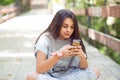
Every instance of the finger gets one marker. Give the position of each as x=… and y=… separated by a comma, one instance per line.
x=70, y=53
x=69, y=47
x=76, y=53
x=79, y=47
x=66, y=52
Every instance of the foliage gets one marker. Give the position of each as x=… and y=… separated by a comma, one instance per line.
x=76, y=4
x=113, y=30
x=82, y=20
x=6, y=2
x=100, y=24
x=116, y=29
x=99, y=2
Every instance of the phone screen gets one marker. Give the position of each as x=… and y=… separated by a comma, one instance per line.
x=76, y=42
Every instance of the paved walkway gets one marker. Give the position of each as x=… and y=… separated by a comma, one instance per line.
x=17, y=37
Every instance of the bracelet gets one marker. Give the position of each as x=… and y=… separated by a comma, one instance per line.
x=58, y=54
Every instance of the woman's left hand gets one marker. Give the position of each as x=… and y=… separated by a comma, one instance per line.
x=77, y=51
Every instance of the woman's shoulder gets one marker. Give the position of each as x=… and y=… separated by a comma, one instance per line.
x=46, y=36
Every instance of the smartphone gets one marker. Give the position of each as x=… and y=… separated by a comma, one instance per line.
x=76, y=42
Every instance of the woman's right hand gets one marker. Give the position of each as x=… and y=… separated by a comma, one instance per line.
x=66, y=51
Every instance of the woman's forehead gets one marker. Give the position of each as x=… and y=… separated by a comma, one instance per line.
x=68, y=21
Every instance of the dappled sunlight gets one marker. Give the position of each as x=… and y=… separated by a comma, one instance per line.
x=18, y=35
x=27, y=45
x=56, y=7
x=16, y=42
x=23, y=54
x=33, y=22
x=110, y=21
x=91, y=34
x=94, y=35
x=13, y=46
x=25, y=35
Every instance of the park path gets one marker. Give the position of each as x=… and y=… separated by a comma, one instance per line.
x=17, y=38
x=17, y=35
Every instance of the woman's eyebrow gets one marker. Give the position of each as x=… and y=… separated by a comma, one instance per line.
x=67, y=24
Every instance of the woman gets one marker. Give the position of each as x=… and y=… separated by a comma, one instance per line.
x=56, y=57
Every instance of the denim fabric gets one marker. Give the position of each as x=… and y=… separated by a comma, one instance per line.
x=72, y=74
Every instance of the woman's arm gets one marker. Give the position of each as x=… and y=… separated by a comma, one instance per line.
x=83, y=60
x=77, y=51
x=43, y=64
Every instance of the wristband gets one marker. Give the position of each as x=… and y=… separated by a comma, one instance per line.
x=58, y=54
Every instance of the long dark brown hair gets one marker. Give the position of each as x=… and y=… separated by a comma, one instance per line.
x=56, y=24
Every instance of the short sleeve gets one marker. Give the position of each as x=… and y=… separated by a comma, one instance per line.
x=42, y=45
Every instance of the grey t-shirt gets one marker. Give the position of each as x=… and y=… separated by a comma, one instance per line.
x=47, y=44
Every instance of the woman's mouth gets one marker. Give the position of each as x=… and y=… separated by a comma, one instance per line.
x=67, y=34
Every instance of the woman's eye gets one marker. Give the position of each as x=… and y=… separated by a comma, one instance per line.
x=65, y=26
x=72, y=27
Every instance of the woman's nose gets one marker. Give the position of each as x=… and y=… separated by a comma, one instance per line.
x=68, y=29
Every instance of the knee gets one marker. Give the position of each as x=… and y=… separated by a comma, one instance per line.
x=31, y=76
x=96, y=71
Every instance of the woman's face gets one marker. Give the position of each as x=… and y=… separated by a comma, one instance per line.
x=67, y=29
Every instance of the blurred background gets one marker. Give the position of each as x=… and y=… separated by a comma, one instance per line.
x=21, y=21
x=110, y=25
